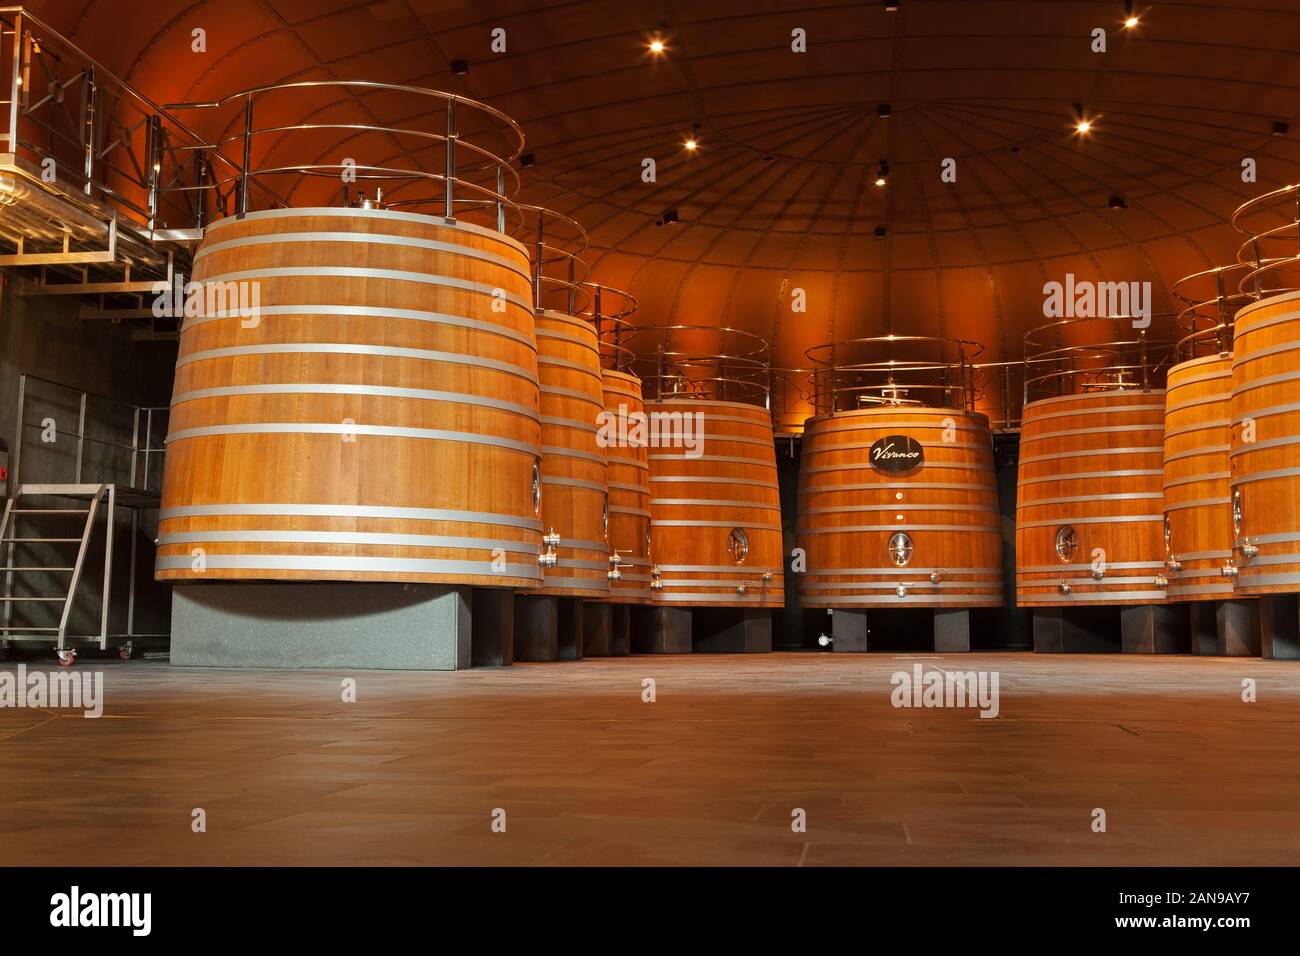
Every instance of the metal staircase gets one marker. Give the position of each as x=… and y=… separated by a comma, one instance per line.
x=30, y=525
x=58, y=539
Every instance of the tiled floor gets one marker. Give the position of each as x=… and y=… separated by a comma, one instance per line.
x=707, y=774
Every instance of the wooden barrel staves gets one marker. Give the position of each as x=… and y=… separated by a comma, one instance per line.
x=376, y=420
x=1198, y=504
x=714, y=506
x=574, y=489
x=897, y=507
x=1265, y=480
x=1089, y=503
x=629, y=489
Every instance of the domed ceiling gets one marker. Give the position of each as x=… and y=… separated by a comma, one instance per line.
x=781, y=193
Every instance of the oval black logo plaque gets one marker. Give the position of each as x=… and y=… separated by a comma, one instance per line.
x=896, y=453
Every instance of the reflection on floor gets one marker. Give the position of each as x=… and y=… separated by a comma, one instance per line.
x=709, y=773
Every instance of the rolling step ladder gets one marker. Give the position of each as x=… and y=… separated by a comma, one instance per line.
x=46, y=533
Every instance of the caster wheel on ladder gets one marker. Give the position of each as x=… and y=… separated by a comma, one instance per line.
x=67, y=658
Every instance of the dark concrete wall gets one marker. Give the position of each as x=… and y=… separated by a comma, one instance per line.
x=43, y=336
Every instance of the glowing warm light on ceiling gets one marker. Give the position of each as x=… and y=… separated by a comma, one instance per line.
x=1130, y=23
x=1083, y=125
x=881, y=181
x=691, y=145
x=657, y=46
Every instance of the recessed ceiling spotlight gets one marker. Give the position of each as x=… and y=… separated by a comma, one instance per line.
x=1280, y=128
x=1118, y=202
x=691, y=145
x=657, y=46
x=459, y=68
x=667, y=217
x=891, y=6
x=881, y=232
x=1082, y=123
x=882, y=174
x=1130, y=18
x=882, y=110
x=527, y=160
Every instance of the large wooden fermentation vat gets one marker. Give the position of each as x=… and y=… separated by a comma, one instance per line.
x=629, y=492
x=1265, y=480
x=1197, y=499
x=378, y=420
x=898, y=506
x=574, y=491
x=1088, y=510
x=715, y=511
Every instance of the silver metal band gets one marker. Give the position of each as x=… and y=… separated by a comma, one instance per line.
x=1265, y=476
x=1154, y=427
x=298, y=562
x=421, y=394
x=574, y=483
x=387, y=275
x=1110, y=565
x=588, y=344
x=1103, y=519
x=898, y=506
x=749, y=526
x=905, y=571
x=724, y=458
x=912, y=597
x=363, y=238
x=1049, y=599
x=555, y=451
x=376, y=312
x=1216, y=450
x=1128, y=496
x=1082, y=475
x=588, y=427
x=1096, y=453
x=1092, y=397
x=388, y=215
x=350, y=348
x=330, y=428
x=349, y=537
x=574, y=393
x=351, y=511
x=900, y=526
x=1198, y=503
x=714, y=502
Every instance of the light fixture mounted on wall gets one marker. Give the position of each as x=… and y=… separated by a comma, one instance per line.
x=667, y=217
x=1118, y=202
x=1130, y=18
x=882, y=174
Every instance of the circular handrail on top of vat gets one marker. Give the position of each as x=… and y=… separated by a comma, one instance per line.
x=1053, y=369
x=736, y=369
x=868, y=371
x=475, y=185
x=557, y=244
x=608, y=310
x=1211, y=309
x=1254, y=219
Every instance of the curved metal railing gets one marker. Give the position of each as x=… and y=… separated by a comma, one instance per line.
x=895, y=370
x=1125, y=358
x=462, y=167
x=706, y=362
x=609, y=310
x=1212, y=297
x=1271, y=253
x=558, y=270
